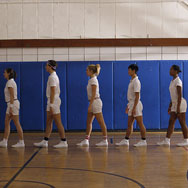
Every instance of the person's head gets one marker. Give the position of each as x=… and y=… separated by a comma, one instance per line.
x=93, y=70
x=132, y=69
x=9, y=73
x=174, y=70
x=51, y=66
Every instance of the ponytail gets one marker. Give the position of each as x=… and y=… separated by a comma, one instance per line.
x=95, y=68
x=98, y=67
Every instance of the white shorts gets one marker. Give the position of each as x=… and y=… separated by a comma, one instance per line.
x=96, y=106
x=15, y=109
x=139, y=109
x=56, y=106
x=183, y=106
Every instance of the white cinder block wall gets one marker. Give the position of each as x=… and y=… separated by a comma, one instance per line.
x=30, y=19
x=38, y=19
x=94, y=54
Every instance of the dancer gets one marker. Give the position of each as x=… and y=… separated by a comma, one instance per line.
x=177, y=108
x=95, y=106
x=53, y=107
x=13, y=106
x=134, y=108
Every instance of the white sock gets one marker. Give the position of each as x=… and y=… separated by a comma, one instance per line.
x=5, y=140
x=21, y=141
x=167, y=139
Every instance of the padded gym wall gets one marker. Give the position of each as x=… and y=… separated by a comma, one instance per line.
x=113, y=80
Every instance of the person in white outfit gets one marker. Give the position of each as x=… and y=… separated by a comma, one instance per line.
x=13, y=106
x=95, y=106
x=53, y=107
x=134, y=108
x=177, y=108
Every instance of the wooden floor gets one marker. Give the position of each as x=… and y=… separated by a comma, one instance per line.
x=112, y=167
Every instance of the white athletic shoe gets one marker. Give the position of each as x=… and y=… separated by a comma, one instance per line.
x=124, y=142
x=62, y=144
x=165, y=142
x=42, y=144
x=141, y=143
x=3, y=144
x=20, y=144
x=102, y=143
x=84, y=142
x=184, y=143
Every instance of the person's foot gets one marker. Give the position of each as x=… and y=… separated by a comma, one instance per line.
x=62, y=144
x=102, y=143
x=3, y=144
x=164, y=142
x=124, y=142
x=42, y=144
x=141, y=143
x=184, y=143
x=20, y=144
x=84, y=142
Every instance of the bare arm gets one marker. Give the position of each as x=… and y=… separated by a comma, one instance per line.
x=52, y=94
x=137, y=94
x=11, y=91
x=94, y=88
x=179, y=98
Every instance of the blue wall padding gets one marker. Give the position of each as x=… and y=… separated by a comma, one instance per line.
x=113, y=80
x=32, y=96
x=165, y=80
x=77, y=102
x=106, y=93
x=150, y=94
x=121, y=82
x=185, y=83
x=3, y=66
x=61, y=72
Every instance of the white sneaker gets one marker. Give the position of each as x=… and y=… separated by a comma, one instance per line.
x=20, y=144
x=184, y=143
x=102, y=143
x=84, y=142
x=141, y=143
x=164, y=143
x=42, y=144
x=3, y=144
x=124, y=142
x=62, y=144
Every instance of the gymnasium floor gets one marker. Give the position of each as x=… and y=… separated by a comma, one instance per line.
x=112, y=167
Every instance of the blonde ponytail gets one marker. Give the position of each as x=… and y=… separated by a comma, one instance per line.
x=98, y=67
x=95, y=69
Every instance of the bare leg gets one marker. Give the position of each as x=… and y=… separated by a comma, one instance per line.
x=130, y=126
x=100, y=119
x=90, y=118
x=172, y=121
x=57, y=119
x=181, y=118
x=7, y=127
x=139, y=120
x=18, y=126
x=48, y=125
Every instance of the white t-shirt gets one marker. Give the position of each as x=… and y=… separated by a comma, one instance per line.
x=134, y=86
x=173, y=89
x=53, y=80
x=92, y=81
x=10, y=83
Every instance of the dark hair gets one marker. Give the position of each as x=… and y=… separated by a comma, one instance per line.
x=11, y=72
x=176, y=68
x=52, y=64
x=133, y=67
